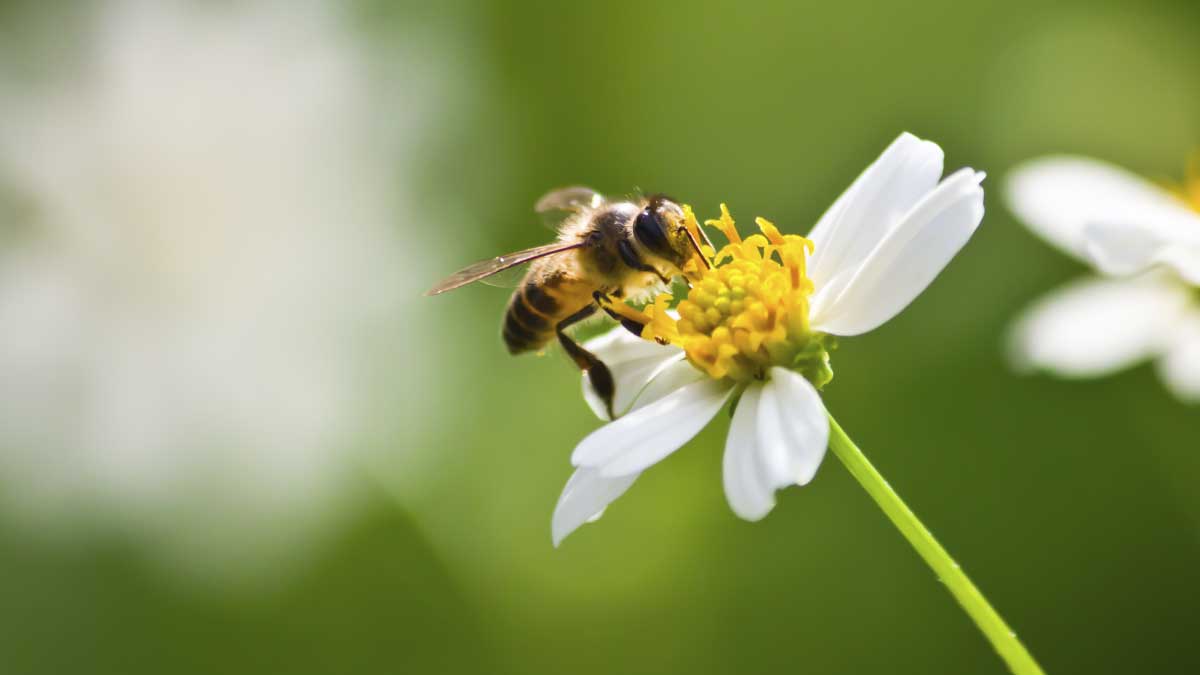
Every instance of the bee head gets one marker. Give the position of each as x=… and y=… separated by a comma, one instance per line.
x=659, y=228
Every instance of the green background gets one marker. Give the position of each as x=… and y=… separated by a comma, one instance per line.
x=1072, y=504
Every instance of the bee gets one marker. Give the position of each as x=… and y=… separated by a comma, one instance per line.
x=606, y=249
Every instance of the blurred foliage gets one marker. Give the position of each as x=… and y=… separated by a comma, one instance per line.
x=1071, y=504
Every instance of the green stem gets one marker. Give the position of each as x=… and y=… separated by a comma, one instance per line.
x=1003, y=639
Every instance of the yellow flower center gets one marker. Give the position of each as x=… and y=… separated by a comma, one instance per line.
x=748, y=309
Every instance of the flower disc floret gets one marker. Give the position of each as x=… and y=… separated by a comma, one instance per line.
x=748, y=311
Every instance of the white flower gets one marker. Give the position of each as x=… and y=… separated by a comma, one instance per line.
x=193, y=300
x=1144, y=241
x=880, y=244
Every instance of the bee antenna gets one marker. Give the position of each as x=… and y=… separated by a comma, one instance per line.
x=696, y=245
x=708, y=241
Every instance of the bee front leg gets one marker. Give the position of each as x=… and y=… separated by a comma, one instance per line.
x=631, y=259
x=598, y=374
x=632, y=325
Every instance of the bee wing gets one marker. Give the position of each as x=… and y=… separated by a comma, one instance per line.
x=558, y=205
x=486, y=268
x=573, y=198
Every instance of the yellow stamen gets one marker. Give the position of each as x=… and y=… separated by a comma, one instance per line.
x=768, y=228
x=747, y=313
x=660, y=326
x=726, y=226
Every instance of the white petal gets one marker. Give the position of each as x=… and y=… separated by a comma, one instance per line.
x=619, y=345
x=1058, y=197
x=793, y=428
x=647, y=435
x=584, y=499
x=1180, y=366
x=1126, y=249
x=1096, y=326
x=906, y=261
x=629, y=380
x=675, y=375
x=750, y=494
x=633, y=362
x=778, y=438
x=907, y=170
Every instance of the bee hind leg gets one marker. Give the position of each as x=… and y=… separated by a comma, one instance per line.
x=599, y=375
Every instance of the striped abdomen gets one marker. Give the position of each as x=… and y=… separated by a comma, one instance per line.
x=538, y=305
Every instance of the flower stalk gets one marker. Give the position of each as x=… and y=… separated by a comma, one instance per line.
x=1003, y=639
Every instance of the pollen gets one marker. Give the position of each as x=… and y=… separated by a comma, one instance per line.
x=747, y=310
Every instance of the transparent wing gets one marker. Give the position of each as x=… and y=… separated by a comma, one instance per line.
x=509, y=277
x=558, y=205
x=486, y=268
x=573, y=198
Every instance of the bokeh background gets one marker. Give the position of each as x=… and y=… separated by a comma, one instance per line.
x=235, y=439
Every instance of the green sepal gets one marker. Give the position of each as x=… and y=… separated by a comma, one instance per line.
x=813, y=360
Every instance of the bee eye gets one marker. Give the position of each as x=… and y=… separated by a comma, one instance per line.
x=649, y=230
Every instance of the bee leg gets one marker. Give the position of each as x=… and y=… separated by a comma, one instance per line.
x=631, y=259
x=630, y=325
x=598, y=374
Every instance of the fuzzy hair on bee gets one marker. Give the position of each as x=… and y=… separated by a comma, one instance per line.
x=606, y=249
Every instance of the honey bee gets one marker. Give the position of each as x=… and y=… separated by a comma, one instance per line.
x=606, y=249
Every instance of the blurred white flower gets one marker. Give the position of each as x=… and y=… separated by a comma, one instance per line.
x=1145, y=242
x=192, y=310
x=757, y=325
